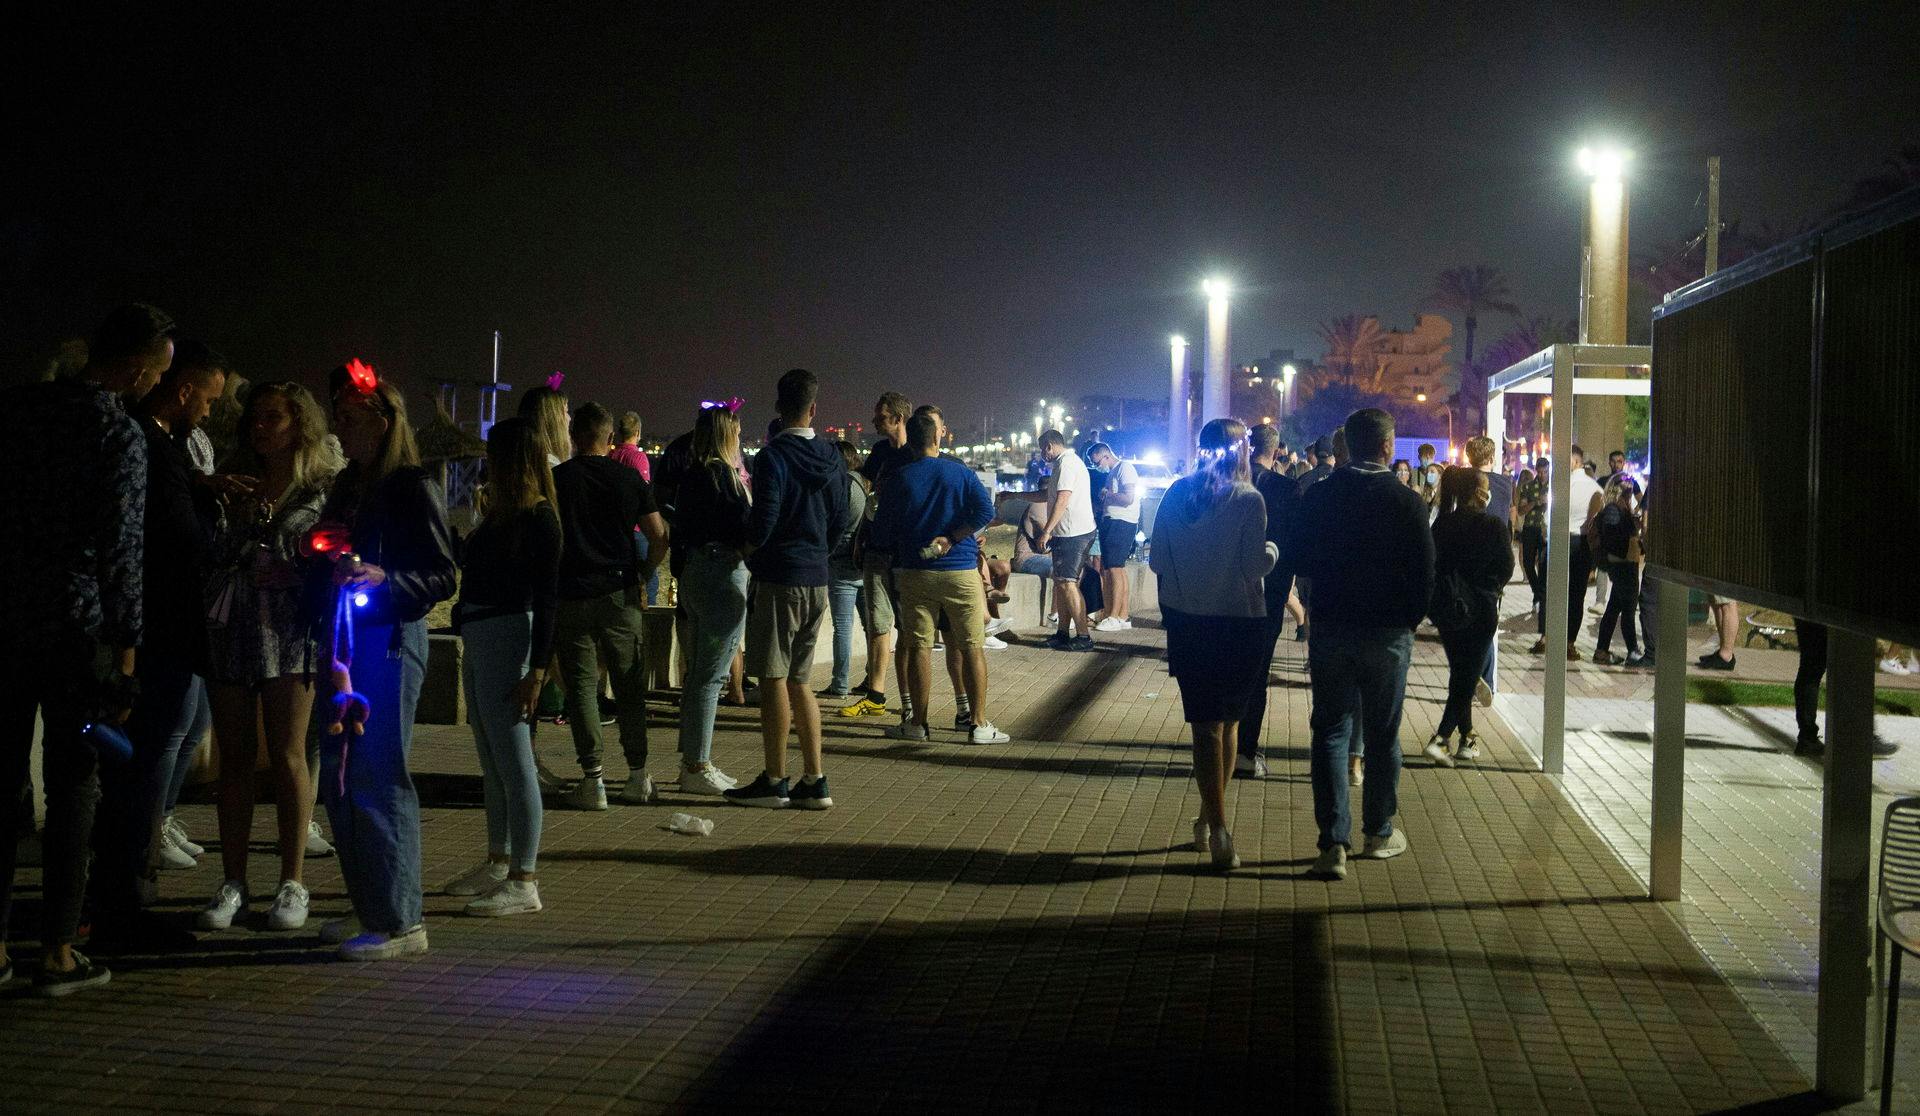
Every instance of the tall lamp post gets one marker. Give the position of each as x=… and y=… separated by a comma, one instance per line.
x=1216, y=391
x=1287, y=373
x=1179, y=403
x=1422, y=398
x=1601, y=421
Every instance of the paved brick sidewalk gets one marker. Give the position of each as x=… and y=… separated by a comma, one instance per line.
x=1021, y=927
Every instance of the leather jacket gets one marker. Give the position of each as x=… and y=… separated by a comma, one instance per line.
x=402, y=528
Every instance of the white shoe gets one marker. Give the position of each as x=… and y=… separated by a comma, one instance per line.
x=335, y=931
x=180, y=838
x=317, y=845
x=512, y=897
x=1221, y=844
x=1200, y=835
x=1483, y=694
x=589, y=794
x=1469, y=748
x=993, y=643
x=1331, y=864
x=1892, y=665
x=708, y=780
x=1053, y=619
x=639, y=791
x=998, y=624
x=907, y=730
x=987, y=734
x=170, y=854
x=374, y=946
x=1436, y=751
x=1384, y=848
x=226, y=903
x=1254, y=767
x=477, y=880
x=1356, y=774
x=550, y=783
x=1113, y=624
x=289, y=910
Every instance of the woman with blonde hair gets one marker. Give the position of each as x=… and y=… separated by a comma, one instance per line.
x=546, y=410
x=263, y=653
x=392, y=560
x=509, y=586
x=710, y=523
x=1212, y=556
x=1472, y=561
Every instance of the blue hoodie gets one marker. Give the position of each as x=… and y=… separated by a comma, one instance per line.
x=799, y=510
x=925, y=498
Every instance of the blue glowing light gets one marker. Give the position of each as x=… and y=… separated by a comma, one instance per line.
x=360, y=600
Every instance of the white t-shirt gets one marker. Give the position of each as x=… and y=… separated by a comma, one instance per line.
x=1124, y=478
x=1070, y=475
x=1581, y=491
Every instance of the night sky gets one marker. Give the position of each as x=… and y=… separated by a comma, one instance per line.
x=977, y=207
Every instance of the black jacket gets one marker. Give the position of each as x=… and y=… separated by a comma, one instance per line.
x=1477, y=545
x=400, y=527
x=179, y=555
x=1282, y=497
x=1367, y=549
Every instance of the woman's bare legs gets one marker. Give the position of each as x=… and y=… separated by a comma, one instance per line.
x=236, y=729
x=285, y=707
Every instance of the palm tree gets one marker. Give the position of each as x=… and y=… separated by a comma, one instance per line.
x=1469, y=290
x=1353, y=345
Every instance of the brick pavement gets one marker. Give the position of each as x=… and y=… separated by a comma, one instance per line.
x=1019, y=926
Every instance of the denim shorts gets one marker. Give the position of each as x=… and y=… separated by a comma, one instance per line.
x=1070, y=555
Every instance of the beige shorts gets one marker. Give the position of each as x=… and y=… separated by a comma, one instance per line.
x=783, y=627
x=926, y=595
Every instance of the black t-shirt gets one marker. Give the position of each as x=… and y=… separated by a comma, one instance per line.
x=601, y=501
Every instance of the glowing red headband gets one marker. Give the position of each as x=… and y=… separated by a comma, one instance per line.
x=362, y=377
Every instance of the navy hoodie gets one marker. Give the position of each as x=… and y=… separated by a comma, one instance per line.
x=799, y=510
x=1367, y=548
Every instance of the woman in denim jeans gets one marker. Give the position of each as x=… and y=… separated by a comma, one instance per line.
x=387, y=533
x=710, y=522
x=844, y=577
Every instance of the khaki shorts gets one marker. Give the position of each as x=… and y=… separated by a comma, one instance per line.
x=783, y=626
x=928, y=595
x=879, y=599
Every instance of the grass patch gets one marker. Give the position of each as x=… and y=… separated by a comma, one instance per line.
x=1714, y=691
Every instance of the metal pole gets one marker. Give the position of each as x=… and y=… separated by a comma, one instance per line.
x=1713, y=214
x=1216, y=391
x=1669, y=740
x=1559, y=528
x=1179, y=430
x=1846, y=806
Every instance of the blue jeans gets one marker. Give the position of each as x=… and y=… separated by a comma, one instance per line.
x=713, y=590
x=365, y=784
x=494, y=661
x=1359, y=674
x=132, y=794
x=643, y=548
x=842, y=596
x=183, y=759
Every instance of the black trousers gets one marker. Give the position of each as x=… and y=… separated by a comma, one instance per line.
x=45, y=679
x=1579, y=569
x=1623, y=606
x=1278, y=588
x=1466, y=654
x=1533, y=563
x=1806, y=681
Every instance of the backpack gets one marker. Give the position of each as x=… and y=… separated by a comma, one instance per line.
x=1451, y=606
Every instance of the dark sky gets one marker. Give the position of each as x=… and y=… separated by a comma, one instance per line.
x=978, y=207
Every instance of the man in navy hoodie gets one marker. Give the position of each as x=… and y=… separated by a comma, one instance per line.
x=1372, y=567
x=799, y=510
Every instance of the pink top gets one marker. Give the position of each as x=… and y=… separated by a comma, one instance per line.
x=635, y=458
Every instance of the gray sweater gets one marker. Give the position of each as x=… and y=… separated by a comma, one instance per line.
x=1212, y=561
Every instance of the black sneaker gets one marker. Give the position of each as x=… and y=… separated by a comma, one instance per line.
x=963, y=722
x=84, y=975
x=762, y=792
x=1082, y=643
x=810, y=796
x=1058, y=641
x=1300, y=634
x=1883, y=748
x=1712, y=661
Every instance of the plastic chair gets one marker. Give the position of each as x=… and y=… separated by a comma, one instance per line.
x=1898, y=920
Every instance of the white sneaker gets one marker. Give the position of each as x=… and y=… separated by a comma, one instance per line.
x=375, y=946
x=1891, y=665
x=708, y=780
x=1254, y=767
x=170, y=855
x=1113, y=624
x=993, y=643
x=477, y=880
x=219, y=912
x=1053, y=619
x=907, y=730
x=1469, y=748
x=180, y=838
x=998, y=624
x=1331, y=864
x=1221, y=843
x=639, y=791
x=1384, y=848
x=289, y=907
x=1200, y=835
x=1482, y=693
x=512, y=897
x=317, y=845
x=1436, y=751
x=589, y=794
x=550, y=783
x=337, y=930
x=1356, y=774
x=987, y=734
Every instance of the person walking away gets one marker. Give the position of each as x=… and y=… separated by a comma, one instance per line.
x=931, y=511
x=878, y=596
x=1812, y=639
x=799, y=511
x=1068, y=536
x=1120, y=497
x=711, y=514
x=1372, y=567
x=602, y=615
x=844, y=578
x=1584, y=502
x=1281, y=497
x=1530, y=504
x=1615, y=541
x=1481, y=455
x=1212, y=555
x=509, y=594
x=626, y=450
x=1472, y=562
x=74, y=469
x=398, y=554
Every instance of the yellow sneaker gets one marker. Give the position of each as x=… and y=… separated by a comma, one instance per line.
x=865, y=707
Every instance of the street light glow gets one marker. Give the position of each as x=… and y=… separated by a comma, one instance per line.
x=1179, y=342
x=1288, y=370
x=1605, y=163
x=1420, y=397
x=1215, y=288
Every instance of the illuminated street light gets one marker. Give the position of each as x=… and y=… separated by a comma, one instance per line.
x=1215, y=391
x=1606, y=164
x=1179, y=404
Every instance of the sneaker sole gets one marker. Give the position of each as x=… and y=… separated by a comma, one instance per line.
x=502, y=912
x=762, y=803
x=68, y=988
x=1381, y=854
x=810, y=803
x=705, y=792
x=283, y=924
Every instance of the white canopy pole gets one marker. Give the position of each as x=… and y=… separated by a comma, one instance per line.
x=1559, y=528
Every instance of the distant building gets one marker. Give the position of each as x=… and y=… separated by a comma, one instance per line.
x=1259, y=389
x=1099, y=414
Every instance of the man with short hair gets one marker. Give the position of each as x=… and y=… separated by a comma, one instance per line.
x=799, y=510
x=1322, y=454
x=1420, y=479
x=1372, y=567
x=931, y=510
x=1068, y=537
x=73, y=490
x=600, y=617
x=1282, y=498
x=878, y=596
x=626, y=450
x=1118, y=535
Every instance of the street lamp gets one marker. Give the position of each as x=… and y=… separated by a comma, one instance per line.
x=1179, y=403
x=1421, y=397
x=1287, y=372
x=1603, y=283
x=1215, y=391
